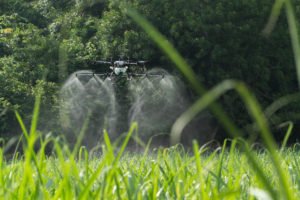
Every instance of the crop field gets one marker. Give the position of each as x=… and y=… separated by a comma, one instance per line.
x=235, y=170
x=162, y=173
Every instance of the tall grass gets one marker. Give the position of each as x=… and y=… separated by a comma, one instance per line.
x=293, y=28
x=170, y=173
x=237, y=172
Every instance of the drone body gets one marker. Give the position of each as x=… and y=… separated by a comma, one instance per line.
x=119, y=70
x=123, y=68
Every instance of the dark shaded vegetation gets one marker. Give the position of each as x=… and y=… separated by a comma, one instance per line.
x=43, y=41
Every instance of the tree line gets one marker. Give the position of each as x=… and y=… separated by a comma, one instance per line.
x=43, y=41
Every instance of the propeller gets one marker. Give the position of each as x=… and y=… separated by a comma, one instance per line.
x=146, y=75
x=123, y=62
x=103, y=62
x=90, y=74
x=142, y=62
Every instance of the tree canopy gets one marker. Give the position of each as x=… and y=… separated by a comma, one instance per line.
x=43, y=41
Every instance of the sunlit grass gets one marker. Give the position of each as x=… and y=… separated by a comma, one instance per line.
x=164, y=173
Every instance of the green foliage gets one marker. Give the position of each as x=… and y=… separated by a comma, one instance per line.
x=219, y=39
x=170, y=173
x=22, y=66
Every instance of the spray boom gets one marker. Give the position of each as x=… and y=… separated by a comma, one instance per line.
x=123, y=68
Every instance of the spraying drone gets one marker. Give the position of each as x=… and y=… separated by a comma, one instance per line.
x=125, y=68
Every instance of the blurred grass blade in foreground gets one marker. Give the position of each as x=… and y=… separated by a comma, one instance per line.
x=184, y=68
x=251, y=103
x=293, y=28
x=294, y=34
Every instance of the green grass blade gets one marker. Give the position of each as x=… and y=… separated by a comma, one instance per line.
x=29, y=150
x=36, y=112
x=147, y=148
x=288, y=133
x=294, y=34
x=254, y=162
x=22, y=125
x=258, y=116
x=197, y=155
x=220, y=166
x=133, y=128
x=109, y=147
x=183, y=67
x=280, y=103
x=277, y=6
x=197, y=107
x=81, y=135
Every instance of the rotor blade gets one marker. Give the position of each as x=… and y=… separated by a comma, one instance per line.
x=102, y=62
x=103, y=74
x=84, y=74
x=142, y=61
x=135, y=74
x=91, y=74
x=156, y=75
x=147, y=75
x=133, y=63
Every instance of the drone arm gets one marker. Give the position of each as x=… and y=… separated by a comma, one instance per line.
x=102, y=62
x=91, y=74
x=147, y=75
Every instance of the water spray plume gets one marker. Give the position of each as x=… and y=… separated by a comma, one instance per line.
x=156, y=103
x=82, y=94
